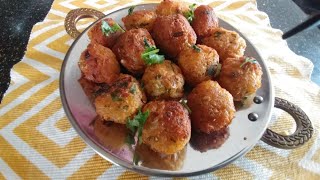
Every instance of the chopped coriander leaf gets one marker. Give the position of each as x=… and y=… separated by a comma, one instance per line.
x=218, y=69
x=196, y=48
x=248, y=60
x=130, y=11
x=115, y=96
x=107, y=29
x=137, y=123
x=130, y=139
x=190, y=14
x=150, y=54
x=210, y=70
x=133, y=89
x=136, y=159
x=146, y=43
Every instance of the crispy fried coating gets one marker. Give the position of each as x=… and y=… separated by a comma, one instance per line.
x=226, y=43
x=99, y=64
x=168, y=128
x=172, y=33
x=212, y=107
x=198, y=65
x=140, y=19
x=129, y=48
x=239, y=78
x=96, y=34
x=121, y=101
x=170, y=7
x=163, y=81
x=204, y=20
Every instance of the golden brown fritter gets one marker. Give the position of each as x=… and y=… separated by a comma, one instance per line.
x=212, y=107
x=198, y=65
x=140, y=19
x=163, y=81
x=226, y=43
x=129, y=48
x=99, y=64
x=122, y=100
x=239, y=78
x=172, y=33
x=97, y=36
x=155, y=160
x=204, y=20
x=168, y=128
x=170, y=7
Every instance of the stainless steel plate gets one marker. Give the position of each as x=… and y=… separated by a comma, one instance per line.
x=244, y=134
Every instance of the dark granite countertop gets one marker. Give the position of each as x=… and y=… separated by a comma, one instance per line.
x=18, y=18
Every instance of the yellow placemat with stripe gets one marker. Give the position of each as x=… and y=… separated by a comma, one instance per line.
x=37, y=141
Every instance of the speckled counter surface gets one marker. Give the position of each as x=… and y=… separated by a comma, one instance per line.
x=18, y=17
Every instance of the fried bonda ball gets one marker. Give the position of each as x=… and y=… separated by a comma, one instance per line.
x=211, y=106
x=226, y=43
x=129, y=48
x=240, y=76
x=167, y=129
x=98, y=64
x=204, y=20
x=169, y=7
x=198, y=63
x=172, y=33
x=97, y=35
x=163, y=81
x=121, y=101
x=140, y=19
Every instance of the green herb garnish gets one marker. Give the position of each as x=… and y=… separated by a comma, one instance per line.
x=115, y=96
x=184, y=104
x=150, y=54
x=133, y=89
x=249, y=60
x=190, y=14
x=136, y=124
x=130, y=11
x=196, y=48
x=218, y=69
x=107, y=29
x=136, y=158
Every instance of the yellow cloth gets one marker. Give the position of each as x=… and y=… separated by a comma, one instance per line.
x=37, y=141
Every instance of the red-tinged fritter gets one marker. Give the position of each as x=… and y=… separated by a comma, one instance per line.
x=99, y=64
x=140, y=19
x=121, y=101
x=170, y=7
x=172, y=33
x=168, y=128
x=240, y=76
x=98, y=35
x=163, y=81
x=212, y=107
x=204, y=20
x=226, y=43
x=129, y=48
x=155, y=160
x=198, y=63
